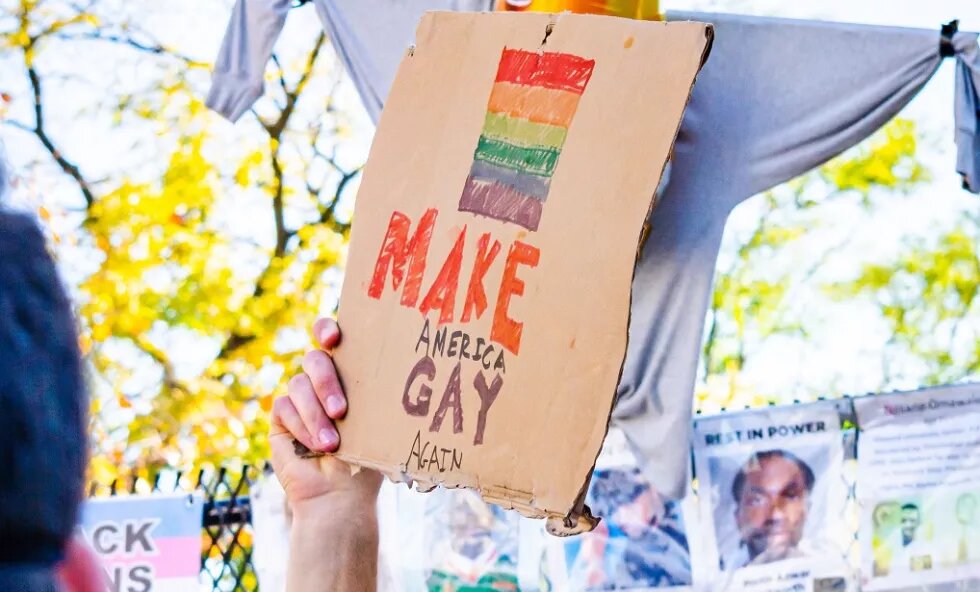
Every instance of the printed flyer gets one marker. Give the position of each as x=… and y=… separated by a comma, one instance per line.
x=771, y=500
x=919, y=489
x=146, y=543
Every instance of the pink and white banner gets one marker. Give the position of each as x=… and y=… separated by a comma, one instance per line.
x=146, y=544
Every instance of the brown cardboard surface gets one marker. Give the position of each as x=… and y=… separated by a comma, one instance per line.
x=556, y=332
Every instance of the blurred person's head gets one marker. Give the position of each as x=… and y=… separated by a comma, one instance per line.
x=911, y=519
x=4, y=174
x=42, y=412
x=772, y=497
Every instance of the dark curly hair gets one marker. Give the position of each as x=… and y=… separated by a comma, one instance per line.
x=757, y=458
x=42, y=410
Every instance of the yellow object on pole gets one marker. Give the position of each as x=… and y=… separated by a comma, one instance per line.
x=638, y=9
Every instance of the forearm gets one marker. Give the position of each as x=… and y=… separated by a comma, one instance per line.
x=333, y=548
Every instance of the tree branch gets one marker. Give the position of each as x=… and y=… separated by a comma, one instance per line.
x=292, y=97
x=277, y=204
x=66, y=166
x=281, y=72
x=155, y=49
x=275, y=131
x=327, y=214
x=275, y=135
x=18, y=125
x=160, y=357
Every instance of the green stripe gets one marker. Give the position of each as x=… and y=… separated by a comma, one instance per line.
x=523, y=131
x=533, y=161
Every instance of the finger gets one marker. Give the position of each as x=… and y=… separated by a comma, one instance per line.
x=322, y=374
x=81, y=570
x=326, y=332
x=286, y=420
x=314, y=417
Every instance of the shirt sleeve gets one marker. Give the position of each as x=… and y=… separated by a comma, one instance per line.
x=238, y=79
x=775, y=98
x=967, y=109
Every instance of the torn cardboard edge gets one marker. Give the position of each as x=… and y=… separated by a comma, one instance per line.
x=579, y=519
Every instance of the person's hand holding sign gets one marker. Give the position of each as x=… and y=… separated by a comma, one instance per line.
x=334, y=538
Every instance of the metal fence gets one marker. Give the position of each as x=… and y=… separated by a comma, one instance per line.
x=226, y=532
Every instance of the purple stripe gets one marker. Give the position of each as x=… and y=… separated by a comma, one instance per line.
x=532, y=185
x=500, y=202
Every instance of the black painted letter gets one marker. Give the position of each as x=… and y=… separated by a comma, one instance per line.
x=426, y=367
x=488, y=394
x=450, y=398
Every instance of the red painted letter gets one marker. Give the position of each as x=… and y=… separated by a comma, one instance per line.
x=442, y=294
x=396, y=250
x=476, y=296
x=506, y=331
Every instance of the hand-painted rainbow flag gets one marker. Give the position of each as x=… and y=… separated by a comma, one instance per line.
x=531, y=108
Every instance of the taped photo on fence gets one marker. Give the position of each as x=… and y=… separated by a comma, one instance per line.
x=919, y=489
x=447, y=540
x=473, y=545
x=771, y=498
x=640, y=542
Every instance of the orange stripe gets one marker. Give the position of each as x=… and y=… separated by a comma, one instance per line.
x=538, y=104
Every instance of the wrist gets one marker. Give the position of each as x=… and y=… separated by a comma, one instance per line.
x=333, y=545
x=336, y=511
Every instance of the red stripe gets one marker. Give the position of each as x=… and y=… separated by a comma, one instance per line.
x=560, y=71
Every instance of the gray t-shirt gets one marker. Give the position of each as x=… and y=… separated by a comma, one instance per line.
x=776, y=98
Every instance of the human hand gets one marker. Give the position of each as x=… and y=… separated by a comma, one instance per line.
x=332, y=509
x=314, y=400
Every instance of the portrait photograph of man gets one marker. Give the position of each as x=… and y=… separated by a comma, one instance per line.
x=899, y=526
x=767, y=507
x=772, y=494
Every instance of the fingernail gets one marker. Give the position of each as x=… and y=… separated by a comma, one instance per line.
x=335, y=406
x=328, y=438
x=325, y=333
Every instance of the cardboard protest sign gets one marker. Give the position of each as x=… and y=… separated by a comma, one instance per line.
x=486, y=299
x=148, y=543
x=771, y=498
x=918, y=489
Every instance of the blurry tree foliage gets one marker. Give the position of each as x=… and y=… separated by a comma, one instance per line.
x=189, y=324
x=925, y=294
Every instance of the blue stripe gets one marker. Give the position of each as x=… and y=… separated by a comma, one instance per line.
x=532, y=185
x=178, y=517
